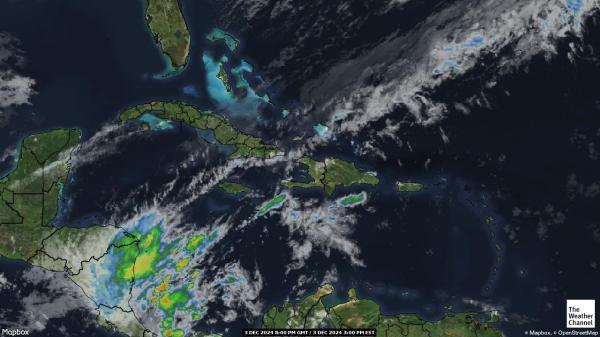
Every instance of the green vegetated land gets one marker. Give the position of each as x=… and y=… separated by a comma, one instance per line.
x=167, y=24
x=30, y=193
x=233, y=188
x=408, y=187
x=219, y=35
x=246, y=146
x=357, y=313
x=30, y=196
x=224, y=78
x=30, y=200
x=333, y=172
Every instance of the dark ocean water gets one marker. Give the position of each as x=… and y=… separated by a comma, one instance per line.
x=424, y=252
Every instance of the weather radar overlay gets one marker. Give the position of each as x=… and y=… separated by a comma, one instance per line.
x=299, y=168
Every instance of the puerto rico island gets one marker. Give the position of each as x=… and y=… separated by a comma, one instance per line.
x=408, y=187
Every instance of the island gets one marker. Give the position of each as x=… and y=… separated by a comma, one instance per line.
x=408, y=187
x=167, y=24
x=225, y=133
x=333, y=172
x=312, y=313
x=219, y=35
x=233, y=188
x=224, y=78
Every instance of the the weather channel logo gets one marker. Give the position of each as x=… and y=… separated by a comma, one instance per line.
x=581, y=314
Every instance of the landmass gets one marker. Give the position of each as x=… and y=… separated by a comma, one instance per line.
x=333, y=172
x=143, y=281
x=246, y=146
x=224, y=78
x=220, y=35
x=30, y=193
x=233, y=188
x=357, y=313
x=125, y=271
x=167, y=24
x=408, y=187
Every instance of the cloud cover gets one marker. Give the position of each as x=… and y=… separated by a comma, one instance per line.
x=15, y=88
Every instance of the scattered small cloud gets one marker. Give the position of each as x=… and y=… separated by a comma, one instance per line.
x=15, y=88
x=319, y=227
x=5, y=284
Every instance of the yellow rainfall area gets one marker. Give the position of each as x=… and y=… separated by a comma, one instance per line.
x=163, y=286
x=165, y=301
x=148, y=240
x=144, y=263
x=181, y=264
x=129, y=273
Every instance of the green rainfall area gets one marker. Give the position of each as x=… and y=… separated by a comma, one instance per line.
x=332, y=172
x=30, y=193
x=273, y=203
x=246, y=146
x=357, y=313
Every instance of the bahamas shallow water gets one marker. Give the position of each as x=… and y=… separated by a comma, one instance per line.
x=423, y=251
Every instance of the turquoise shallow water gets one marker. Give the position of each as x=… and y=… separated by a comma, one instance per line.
x=155, y=123
x=241, y=99
x=321, y=129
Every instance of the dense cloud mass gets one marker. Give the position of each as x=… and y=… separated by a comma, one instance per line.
x=15, y=89
x=44, y=296
x=367, y=66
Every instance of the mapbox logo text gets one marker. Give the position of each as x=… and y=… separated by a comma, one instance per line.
x=15, y=332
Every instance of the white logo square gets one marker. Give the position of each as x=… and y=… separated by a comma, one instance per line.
x=581, y=314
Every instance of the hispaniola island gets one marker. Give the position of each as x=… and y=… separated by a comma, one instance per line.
x=250, y=168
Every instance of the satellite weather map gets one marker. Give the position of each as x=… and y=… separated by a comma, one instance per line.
x=250, y=168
